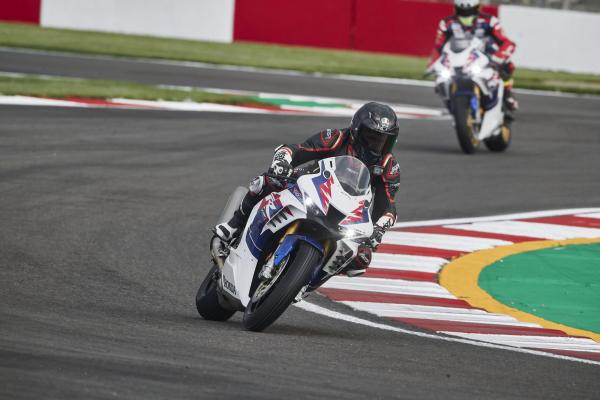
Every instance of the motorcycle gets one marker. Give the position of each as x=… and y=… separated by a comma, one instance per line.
x=293, y=242
x=471, y=88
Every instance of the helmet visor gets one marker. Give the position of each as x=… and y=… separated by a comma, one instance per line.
x=374, y=141
x=467, y=11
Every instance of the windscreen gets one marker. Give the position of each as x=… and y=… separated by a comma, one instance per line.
x=353, y=175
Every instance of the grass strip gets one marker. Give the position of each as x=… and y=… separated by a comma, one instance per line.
x=264, y=56
x=102, y=89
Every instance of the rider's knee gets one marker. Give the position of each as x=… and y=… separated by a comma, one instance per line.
x=257, y=185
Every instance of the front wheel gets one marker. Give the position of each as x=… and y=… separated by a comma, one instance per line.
x=207, y=300
x=271, y=298
x=465, y=125
x=501, y=141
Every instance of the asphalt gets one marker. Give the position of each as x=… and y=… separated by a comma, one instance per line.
x=105, y=218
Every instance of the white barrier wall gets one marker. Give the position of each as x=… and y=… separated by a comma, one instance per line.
x=553, y=39
x=210, y=20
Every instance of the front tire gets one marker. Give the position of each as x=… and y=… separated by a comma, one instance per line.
x=501, y=141
x=465, y=130
x=207, y=300
x=263, y=309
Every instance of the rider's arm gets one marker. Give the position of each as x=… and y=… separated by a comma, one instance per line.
x=323, y=144
x=386, y=187
x=441, y=37
x=506, y=46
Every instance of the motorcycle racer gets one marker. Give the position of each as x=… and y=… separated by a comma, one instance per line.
x=370, y=137
x=467, y=22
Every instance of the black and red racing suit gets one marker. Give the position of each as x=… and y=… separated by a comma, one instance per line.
x=385, y=171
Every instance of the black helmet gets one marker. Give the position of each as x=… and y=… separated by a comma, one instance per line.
x=374, y=128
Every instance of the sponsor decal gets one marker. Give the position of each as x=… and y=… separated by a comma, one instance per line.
x=256, y=238
x=327, y=136
x=323, y=186
x=385, y=123
x=359, y=215
x=229, y=286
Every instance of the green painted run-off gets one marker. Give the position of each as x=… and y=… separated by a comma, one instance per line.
x=559, y=284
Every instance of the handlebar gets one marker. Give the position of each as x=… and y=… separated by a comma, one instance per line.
x=296, y=173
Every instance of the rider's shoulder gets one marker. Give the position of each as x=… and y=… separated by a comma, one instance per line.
x=331, y=137
x=489, y=19
x=446, y=22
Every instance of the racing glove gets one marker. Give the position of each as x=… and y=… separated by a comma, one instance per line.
x=499, y=58
x=281, y=168
x=282, y=162
x=376, y=237
x=379, y=228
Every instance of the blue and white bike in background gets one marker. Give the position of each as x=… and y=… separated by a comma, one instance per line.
x=293, y=242
x=472, y=90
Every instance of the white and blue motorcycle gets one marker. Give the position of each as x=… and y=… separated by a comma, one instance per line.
x=293, y=242
x=472, y=90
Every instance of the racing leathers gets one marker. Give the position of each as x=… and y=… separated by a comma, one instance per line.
x=385, y=181
x=497, y=45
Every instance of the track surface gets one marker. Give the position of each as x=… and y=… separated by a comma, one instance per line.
x=103, y=242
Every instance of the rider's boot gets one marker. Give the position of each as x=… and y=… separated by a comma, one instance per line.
x=510, y=101
x=228, y=231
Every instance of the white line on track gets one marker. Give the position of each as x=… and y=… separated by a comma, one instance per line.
x=542, y=342
x=349, y=318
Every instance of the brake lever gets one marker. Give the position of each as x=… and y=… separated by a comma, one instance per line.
x=280, y=177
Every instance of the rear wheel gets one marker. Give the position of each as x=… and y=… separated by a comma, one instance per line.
x=465, y=125
x=207, y=300
x=272, y=297
x=501, y=141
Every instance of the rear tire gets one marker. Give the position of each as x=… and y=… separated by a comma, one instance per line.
x=263, y=311
x=464, y=125
x=501, y=141
x=207, y=300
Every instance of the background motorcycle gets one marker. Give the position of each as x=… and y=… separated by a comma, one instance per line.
x=472, y=90
x=293, y=242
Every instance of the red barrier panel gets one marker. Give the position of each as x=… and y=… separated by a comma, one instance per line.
x=391, y=26
x=400, y=26
x=20, y=10
x=307, y=23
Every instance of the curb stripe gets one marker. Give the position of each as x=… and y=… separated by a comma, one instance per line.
x=418, y=251
x=534, y=229
x=578, y=354
x=408, y=262
x=463, y=232
x=395, y=286
x=569, y=220
x=374, y=272
x=535, y=342
x=472, y=327
x=436, y=313
x=358, y=295
x=310, y=307
x=444, y=242
x=395, y=291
